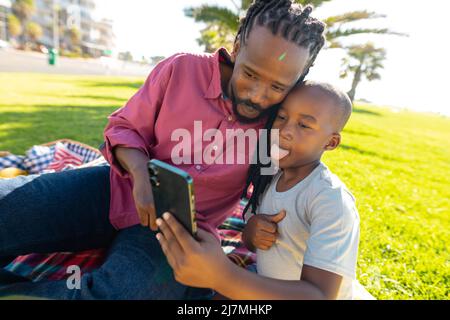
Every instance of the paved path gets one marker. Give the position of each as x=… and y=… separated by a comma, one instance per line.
x=20, y=61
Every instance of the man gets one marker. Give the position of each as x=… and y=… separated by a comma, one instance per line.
x=276, y=45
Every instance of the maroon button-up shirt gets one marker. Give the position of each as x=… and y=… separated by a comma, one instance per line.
x=181, y=90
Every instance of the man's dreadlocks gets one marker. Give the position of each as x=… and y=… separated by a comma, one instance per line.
x=294, y=23
x=290, y=20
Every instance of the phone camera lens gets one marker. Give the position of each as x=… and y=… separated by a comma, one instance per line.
x=154, y=182
x=153, y=171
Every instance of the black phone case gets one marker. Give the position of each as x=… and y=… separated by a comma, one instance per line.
x=173, y=192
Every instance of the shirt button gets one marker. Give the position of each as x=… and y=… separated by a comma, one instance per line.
x=198, y=168
x=216, y=148
x=230, y=118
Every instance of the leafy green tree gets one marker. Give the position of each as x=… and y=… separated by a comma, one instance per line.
x=362, y=61
x=34, y=31
x=14, y=26
x=156, y=59
x=126, y=56
x=23, y=10
x=222, y=23
x=74, y=36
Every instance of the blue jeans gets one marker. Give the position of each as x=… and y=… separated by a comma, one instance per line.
x=69, y=211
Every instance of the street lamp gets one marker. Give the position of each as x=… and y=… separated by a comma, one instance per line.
x=55, y=7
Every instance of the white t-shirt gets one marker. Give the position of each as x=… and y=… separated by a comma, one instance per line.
x=321, y=229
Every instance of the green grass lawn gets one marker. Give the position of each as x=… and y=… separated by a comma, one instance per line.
x=396, y=164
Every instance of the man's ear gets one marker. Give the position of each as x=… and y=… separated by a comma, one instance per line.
x=236, y=49
x=334, y=142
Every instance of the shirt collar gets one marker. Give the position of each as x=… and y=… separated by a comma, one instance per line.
x=215, y=87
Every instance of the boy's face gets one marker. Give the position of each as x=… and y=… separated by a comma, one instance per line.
x=307, y=126
x=266, y=69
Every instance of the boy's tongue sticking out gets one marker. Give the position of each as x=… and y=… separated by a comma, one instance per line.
x=278, y=153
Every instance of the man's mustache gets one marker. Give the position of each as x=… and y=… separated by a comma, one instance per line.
x=250, y=105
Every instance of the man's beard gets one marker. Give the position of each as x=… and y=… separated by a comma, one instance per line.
x=243, y=119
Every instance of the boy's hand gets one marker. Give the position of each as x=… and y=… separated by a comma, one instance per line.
x=261, y=231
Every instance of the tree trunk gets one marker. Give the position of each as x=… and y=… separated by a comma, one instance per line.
x=355, y=83
x=23, y=39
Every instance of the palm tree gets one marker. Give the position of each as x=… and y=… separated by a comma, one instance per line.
x=23, y=10
x=222, y=23
x=362, y=61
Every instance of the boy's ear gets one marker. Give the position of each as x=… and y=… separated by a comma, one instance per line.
x=334, y=142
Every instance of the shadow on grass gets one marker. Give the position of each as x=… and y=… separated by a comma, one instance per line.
x=368, y=112
x=107, y=84
x=99, y=97
x=368, y=153
x=103, y=81
x=361, y=133
x=45, y=123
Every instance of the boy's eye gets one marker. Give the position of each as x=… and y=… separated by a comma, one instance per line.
x=249, y=75
x=281, y=117
x=304, y=126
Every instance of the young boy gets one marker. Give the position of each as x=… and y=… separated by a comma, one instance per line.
x=307, y=246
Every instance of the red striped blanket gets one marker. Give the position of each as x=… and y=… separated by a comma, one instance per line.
x=67, y=155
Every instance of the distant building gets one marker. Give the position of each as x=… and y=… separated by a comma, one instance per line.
x=96, y=37
x=101, y=38
x=5, y=10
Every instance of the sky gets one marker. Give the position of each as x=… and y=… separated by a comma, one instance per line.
x=416, y=70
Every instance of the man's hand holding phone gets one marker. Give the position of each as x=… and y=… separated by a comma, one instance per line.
x=134, y=161
x=143, y=199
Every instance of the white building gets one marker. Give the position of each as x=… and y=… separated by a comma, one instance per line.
x=5, y=9
x=96, y=36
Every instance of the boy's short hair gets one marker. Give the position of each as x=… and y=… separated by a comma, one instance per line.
x=341, y=100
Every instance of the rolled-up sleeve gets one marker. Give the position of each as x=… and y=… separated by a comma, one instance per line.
x=133, y=125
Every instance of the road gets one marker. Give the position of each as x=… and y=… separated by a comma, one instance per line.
x=19, y=61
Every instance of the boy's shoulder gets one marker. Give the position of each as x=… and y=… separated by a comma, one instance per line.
x=328, y=197
x=329, y=187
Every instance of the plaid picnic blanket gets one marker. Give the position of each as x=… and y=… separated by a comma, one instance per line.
x=65, y=155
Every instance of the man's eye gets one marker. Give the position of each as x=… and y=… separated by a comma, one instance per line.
x=281, y=117
x=279, y=89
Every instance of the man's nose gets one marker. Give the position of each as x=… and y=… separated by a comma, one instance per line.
x=258, y=96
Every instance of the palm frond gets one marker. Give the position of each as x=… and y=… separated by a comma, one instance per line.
x=314, y=3
x=214, y=14
x=338, y=33
x=351, y=17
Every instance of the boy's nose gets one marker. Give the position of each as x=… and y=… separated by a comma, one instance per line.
x=286, y=132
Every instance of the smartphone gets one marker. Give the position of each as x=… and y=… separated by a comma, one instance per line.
x=173, y=191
